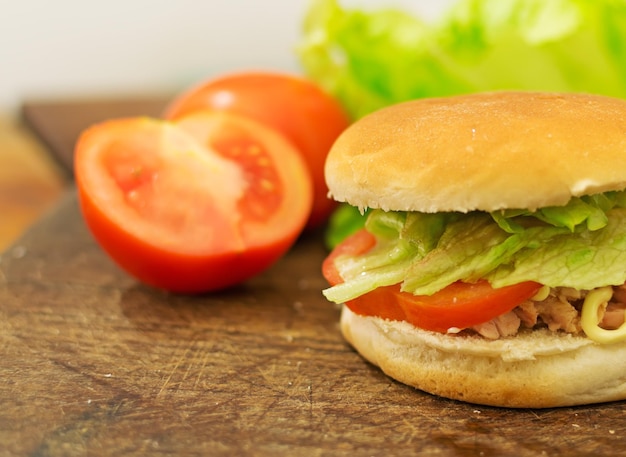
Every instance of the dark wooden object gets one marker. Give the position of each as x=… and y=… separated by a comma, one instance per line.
x=95, y=364
x=59, y=122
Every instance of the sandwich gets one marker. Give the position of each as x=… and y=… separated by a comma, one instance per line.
x=491, y=265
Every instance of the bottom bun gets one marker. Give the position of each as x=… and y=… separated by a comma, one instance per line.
x=535, y=369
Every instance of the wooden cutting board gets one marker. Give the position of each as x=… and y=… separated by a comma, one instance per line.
x=95, y=364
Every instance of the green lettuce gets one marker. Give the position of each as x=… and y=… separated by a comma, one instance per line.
x=427, y=252
x=343, y=222
x=372, y=58
x=369, y=59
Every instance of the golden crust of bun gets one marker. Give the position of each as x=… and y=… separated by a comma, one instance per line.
x=484, y=151
x=539, y=369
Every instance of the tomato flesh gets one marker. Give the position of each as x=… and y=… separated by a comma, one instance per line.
x=458, y=306
x=296, y=107
x=265, y=190
x=192, y=206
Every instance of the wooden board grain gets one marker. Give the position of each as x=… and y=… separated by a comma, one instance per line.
x=95, y=364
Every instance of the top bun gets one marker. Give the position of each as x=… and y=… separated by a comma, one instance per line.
x=485, y=151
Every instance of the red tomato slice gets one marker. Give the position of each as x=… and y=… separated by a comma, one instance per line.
x=460, y=305
x=192, y=206
x=299, y=109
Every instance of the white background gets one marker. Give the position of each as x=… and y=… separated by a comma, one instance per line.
x=69, y=48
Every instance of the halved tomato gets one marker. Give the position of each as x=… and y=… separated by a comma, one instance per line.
x=192, y=206
x=460, y=305
x=294, y=106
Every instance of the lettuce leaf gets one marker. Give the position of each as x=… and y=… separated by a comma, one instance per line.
x=370, y=59
x=588, y=210
x=427, y=252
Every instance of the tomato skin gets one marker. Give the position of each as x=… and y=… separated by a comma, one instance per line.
x=299, y=109
x=174, y=271
x=460, y=305
x=217, y=249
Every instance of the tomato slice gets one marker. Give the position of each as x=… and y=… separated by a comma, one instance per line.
x=460, y=305
x=192, y=206
x=296, y=107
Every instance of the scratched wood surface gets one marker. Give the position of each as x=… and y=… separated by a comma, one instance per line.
x=95, y=364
